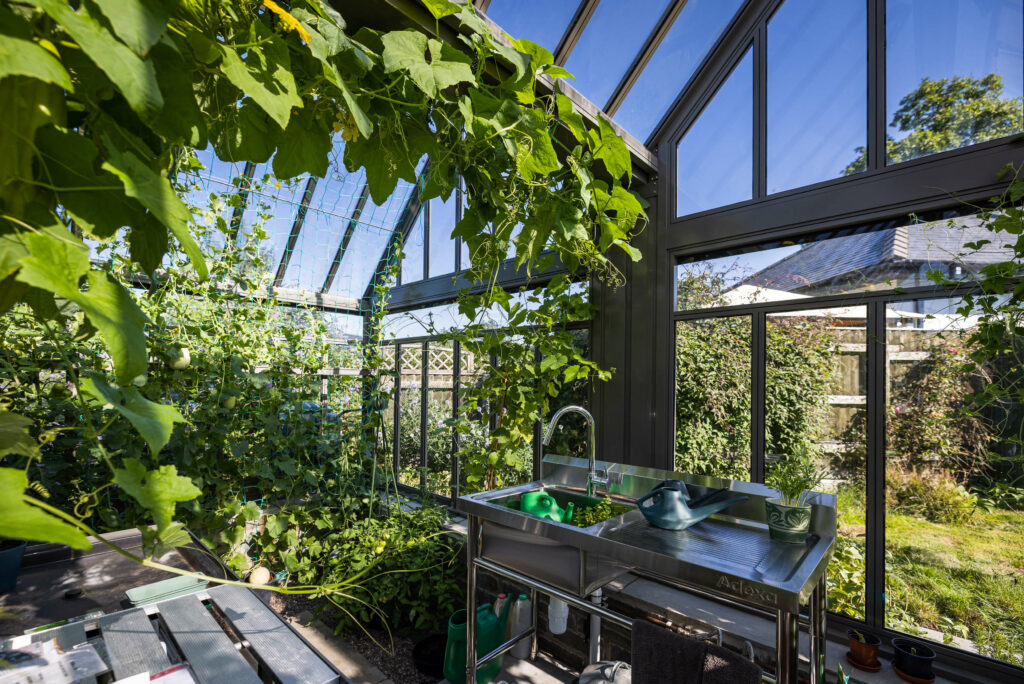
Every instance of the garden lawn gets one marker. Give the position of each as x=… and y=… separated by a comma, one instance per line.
x=962, y=580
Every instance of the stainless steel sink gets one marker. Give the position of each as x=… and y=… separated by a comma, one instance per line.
x=728, y=557
x=729, y=554
x=533, y=545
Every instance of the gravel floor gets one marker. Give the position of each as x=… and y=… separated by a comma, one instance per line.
x=396, y=664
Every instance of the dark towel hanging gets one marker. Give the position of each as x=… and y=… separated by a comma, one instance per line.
x=660, y=656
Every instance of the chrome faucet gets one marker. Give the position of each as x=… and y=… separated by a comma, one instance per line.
x=593, y=478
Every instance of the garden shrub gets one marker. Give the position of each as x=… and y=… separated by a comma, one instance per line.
x=713, y=391
x=929, y=422
x=931, y=494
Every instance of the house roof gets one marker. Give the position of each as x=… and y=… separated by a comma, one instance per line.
x=872, y=256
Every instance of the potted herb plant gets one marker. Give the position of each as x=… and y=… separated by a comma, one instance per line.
x=912, y=660
x=863, y=653
x=11, y=553
x=789, y=515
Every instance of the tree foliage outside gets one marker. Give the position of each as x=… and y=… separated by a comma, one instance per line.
x=946, y=114
x=713, y=385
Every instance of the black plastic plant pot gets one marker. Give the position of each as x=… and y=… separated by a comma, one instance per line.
x=428, y=655
x=913, y=658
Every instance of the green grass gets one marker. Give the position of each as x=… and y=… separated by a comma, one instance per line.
x=963, y=580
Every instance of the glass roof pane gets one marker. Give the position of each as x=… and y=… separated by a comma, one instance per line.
x=542, y=21
x=412, y=253
x=817, y=92
x=610, y=42
x=330, y=211
x=691, y=37
x=981, y=40
x=716, y=156
x=374, y=229
x=279, y=202
x=442, y=244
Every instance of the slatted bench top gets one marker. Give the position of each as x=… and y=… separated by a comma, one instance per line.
x=133, y=640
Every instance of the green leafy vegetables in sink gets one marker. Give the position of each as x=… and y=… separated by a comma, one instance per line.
x=596, y=513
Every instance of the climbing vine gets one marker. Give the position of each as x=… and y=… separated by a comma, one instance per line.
x=102, y=101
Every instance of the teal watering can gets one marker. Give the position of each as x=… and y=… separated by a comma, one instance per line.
x=490, y=633
x=543, y=505
x=670, y=505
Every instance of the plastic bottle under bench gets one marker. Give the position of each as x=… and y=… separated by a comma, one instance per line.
x=520, y=621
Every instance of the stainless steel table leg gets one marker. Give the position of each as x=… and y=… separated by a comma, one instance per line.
x=817, y=629
x=786, y=647
x=536, y=623
x=471, y=550
x=595, y=629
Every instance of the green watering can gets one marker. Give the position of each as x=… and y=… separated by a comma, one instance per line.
x=490, y=633
x=543, y=505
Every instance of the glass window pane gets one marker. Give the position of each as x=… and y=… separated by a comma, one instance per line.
x=817, y=92
x=954, y=521
x=613, y=37
x=570, y=437
x=272, y=206
x=816, y=399
x=541, y=21
x=901, y=256
x=954, y=74
x=439, y=409
x=713, y=397
x=442, y=244
x=688, y=41
x=412, y=259
x=715, y=157
x=409, y=415
x=472, y=375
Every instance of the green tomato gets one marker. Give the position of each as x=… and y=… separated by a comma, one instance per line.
x=229, y=402
x=140, y=380
x=180, y=359
x=492, y=459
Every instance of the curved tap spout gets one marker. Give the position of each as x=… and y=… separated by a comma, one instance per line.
x=592, y=476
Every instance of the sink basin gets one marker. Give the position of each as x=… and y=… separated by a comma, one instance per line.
x=563, y=497
x=531, y=545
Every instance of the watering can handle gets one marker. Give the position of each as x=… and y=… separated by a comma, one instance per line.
x=648, y=495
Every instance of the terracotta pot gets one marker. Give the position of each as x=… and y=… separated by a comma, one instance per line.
x=866, y=652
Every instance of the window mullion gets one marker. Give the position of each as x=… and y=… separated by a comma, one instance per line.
x=874, y=609
x=760, y=154
x=758, y=384
x=876, y=85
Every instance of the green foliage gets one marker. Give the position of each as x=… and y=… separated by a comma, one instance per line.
x=522, y=371
x=947, y=113
x=414, y=571
x=794, y=476
x=102, y=99
x=929, y=419
x=591, y=515
x=713, y=384
x=931, y=494
x=23, y=519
